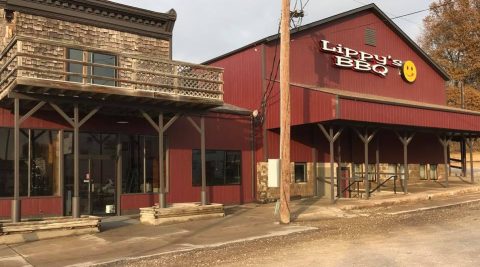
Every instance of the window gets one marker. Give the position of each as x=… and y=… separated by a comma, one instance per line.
x=402, y=171
x=371, y=172
x=300, y=172
x=433, y=172
x=392, y=169
x=140, y=164
x=39, y=163
x=221, y=167
x=92, y=57
x=357, y=170
x=423, y=172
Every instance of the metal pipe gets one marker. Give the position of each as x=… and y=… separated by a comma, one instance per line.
x=161, y=196
x=16, y=202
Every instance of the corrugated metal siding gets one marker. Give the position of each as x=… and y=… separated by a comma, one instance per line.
x=223, y=132
x=311, y=67
x=382, y=113
x=34, y=206
x=307, y=106
x=243, y=78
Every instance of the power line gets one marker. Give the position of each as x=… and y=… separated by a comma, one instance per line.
x=363, y=4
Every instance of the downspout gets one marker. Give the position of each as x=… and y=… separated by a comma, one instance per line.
x=252, y=145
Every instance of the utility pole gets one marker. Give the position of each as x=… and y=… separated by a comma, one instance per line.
x=285, y=113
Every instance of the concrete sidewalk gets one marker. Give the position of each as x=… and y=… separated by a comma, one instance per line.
x=124, y=238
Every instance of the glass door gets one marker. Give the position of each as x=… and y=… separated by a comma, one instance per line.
x=102, y=186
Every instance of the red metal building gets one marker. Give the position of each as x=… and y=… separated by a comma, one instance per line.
x=356, y=74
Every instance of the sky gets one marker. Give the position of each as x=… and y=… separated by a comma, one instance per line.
x=209, y=28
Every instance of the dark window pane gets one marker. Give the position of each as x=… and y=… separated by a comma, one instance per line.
x=221, y=167
x=132, y=176
x=75, y=68
x=44, y=176
x=300, y=173
x=234, y=167
x=105, y=72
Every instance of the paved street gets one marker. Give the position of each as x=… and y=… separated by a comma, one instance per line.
x=438, y=237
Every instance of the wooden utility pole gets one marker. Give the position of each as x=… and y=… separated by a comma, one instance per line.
x=285, y=113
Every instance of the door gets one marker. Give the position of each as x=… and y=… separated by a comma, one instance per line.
x=97, y=178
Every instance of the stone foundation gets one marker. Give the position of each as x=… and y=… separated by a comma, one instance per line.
x=323, y=170
x=179, y=213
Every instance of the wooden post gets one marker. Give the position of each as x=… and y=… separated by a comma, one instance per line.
x=405, y=140
x=331, y=137
x=85, y=67
x=285, y=113
x=470, y=142
x=445, y=143
x=366, y=139
x=377, y=163
x=339, y=169
x=119, y=184
x=314, y=157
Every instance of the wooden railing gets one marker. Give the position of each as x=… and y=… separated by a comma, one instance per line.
x=45, y=59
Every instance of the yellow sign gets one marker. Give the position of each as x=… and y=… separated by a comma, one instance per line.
x=409, y=71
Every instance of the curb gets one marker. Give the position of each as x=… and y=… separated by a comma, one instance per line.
x=411, y=199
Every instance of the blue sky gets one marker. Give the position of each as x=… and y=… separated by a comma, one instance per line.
x=209, y=28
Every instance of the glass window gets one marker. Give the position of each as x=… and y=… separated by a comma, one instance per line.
x=402, y=171
x=44, y=173
x=300, y=172
x=433, y=172
x=97, y=58
x=423, y=172
x=371, y=172
x=221, y=167
x=6, y=162
x=357, y=170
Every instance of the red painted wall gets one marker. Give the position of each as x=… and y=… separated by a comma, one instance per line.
x=383, y=113
x=243, y=78
x=311, y=67
x=34, y=206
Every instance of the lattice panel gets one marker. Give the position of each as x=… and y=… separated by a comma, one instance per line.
x=199, y=94
x=159, y=88
x=198, y=84
x=152, y=78
x=155, y=66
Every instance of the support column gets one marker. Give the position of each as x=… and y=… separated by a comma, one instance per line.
x=161, y=196
x=204, y=174
x=76, y=162
x=331, y=138
x=464, y=158
x=377, y=163
x=445, y=143
x=470, y=142
x=339, y=169
x=119, y=184
x=16, y=202
x=314, y=157
x=405, y=140
x=366, y=139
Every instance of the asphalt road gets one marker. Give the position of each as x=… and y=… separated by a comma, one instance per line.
x=440, y=237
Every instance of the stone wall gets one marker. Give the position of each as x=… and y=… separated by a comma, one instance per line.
x=115, y=41
x=264, y=192
x=323, y=170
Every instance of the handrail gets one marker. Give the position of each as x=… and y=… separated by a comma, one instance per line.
x=79, y=62
x=96, y=49
x=394, y=184
x=350, y=185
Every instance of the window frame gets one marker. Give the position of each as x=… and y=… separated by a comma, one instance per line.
x=90, y=69
x=425, y=177
x=430, y=172
x=224, y=164
x=305, y=174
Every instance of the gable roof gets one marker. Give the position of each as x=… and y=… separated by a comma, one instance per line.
x=371, y=7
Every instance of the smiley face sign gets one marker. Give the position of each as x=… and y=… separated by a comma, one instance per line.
x=409, y=71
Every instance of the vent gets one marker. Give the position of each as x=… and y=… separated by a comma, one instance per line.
x=370, y=37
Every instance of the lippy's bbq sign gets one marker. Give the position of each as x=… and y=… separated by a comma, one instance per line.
x=347, y=58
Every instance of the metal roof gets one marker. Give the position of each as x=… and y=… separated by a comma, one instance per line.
x=371, y=7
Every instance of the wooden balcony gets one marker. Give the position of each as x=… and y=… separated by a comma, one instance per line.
x=39, y=67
